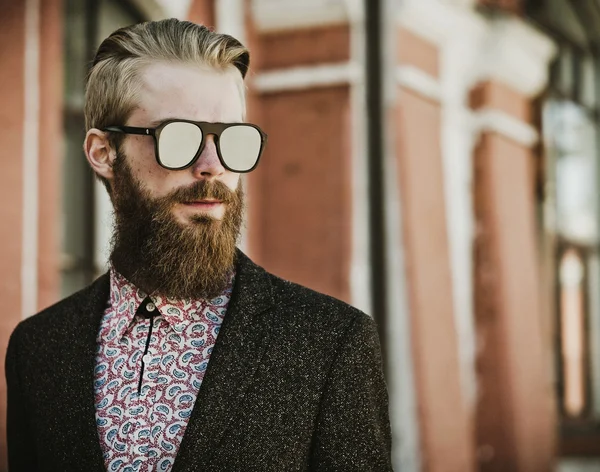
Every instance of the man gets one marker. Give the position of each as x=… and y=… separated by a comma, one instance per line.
x=186, y=356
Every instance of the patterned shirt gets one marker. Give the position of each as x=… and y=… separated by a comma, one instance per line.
x=151, y=359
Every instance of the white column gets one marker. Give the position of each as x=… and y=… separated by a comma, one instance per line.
x=160, y=9
x=360, y=263
x=231, y=18
x=29, y=269
x=406, y=448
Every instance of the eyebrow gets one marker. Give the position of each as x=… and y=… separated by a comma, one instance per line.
x=155, y=123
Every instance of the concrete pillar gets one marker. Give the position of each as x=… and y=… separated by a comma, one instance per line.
x=516, y=414
x=515, y=408
x=446, y=434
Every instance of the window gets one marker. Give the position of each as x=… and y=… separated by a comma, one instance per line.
x=571, y=214
x=85, y=207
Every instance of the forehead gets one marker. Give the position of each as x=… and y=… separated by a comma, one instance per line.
x=169, y=90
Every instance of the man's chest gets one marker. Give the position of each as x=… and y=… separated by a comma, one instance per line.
x=145, y=386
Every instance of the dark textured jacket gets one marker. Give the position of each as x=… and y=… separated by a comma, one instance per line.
x=294, y=384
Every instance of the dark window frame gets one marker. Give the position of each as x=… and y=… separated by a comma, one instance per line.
x=82, y=267
x=578, y=436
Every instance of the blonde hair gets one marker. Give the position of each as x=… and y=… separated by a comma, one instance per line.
x=113, y=79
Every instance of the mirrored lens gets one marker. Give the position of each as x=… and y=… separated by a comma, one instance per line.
x=240, y=147
x=178, y=143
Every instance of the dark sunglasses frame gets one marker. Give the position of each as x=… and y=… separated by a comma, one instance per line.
x=216, y=129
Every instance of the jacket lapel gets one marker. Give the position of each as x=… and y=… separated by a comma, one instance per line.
x=240, y=345
x=78, y=355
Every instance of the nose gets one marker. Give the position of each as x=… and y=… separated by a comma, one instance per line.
x=208, y=166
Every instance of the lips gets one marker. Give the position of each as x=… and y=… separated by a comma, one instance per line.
x=203, y=202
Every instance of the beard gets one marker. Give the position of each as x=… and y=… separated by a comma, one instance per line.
x=164, y=257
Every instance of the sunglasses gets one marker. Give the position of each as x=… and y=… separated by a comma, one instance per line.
x=179, y=143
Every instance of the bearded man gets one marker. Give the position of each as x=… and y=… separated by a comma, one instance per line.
x=186, y=356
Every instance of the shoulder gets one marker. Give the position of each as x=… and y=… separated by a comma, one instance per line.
x=295, y=295
x=64, y=317
x=306, y=310
x=295, y=305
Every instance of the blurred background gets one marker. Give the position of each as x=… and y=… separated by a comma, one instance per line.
x=433, y=162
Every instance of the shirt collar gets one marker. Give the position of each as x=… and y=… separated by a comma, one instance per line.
x=125, y=299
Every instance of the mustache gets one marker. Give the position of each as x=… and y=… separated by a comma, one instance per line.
x=202, y=190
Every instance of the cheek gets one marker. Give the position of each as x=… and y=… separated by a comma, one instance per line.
x=232, y=181
x=144, y=167
x=235, y=181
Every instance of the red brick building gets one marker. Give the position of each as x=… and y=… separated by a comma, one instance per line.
x=446, y=186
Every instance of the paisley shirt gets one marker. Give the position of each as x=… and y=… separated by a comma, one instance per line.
x=151, y=359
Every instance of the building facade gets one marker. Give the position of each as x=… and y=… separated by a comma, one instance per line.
x=432, y=162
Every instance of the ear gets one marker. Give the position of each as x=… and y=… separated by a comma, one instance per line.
x=99, y=153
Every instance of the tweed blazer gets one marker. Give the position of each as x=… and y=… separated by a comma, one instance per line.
x=294, y=383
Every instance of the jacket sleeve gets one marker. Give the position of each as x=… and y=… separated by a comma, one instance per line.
x=353, y=429
x=21, y=450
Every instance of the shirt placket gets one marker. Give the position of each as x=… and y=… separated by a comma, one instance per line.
x=142, y=398
x=163, y=409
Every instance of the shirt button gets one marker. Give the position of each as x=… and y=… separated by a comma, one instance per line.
x=147, y=358
x=150, y=306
